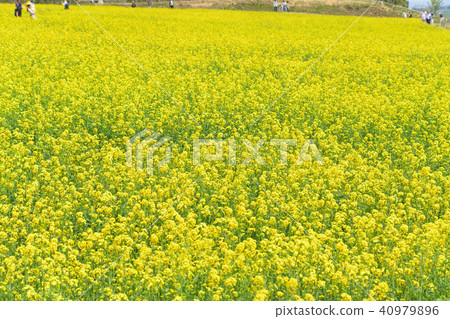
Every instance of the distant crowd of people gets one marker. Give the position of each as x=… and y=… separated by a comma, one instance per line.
x=283, y=7
x=31, y=9
x=409, y=15
x=428, y=17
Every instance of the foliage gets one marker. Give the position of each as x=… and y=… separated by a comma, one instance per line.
x=435, y=5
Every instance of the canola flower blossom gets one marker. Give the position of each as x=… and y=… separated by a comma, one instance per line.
x=377, y=107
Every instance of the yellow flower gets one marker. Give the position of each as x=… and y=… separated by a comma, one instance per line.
x=309, y=297
x=346, y=297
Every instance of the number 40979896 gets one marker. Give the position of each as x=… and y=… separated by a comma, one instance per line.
x=409, y=310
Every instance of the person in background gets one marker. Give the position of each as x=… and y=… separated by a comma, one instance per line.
x=18, y=10
x=404, y=15
x=441, y=19
x=428, y=18
x=287, y=6
x=133, y=5
x=171, y=4
x=275, y=6
x=66, y=4
x=149, y=4
x=31, y=8
x=410, y=15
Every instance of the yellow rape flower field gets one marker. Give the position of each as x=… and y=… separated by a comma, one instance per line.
x=76, y=223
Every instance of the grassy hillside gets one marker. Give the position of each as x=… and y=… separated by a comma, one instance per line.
x=335, y=7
